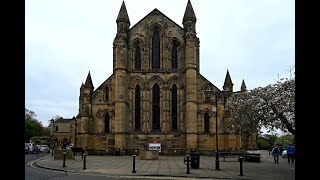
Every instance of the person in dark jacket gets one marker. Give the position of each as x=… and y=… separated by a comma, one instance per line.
x=290, y=153
x=276, y=153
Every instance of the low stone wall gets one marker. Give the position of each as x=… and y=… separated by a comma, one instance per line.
x=58, y=154
x=149, y=155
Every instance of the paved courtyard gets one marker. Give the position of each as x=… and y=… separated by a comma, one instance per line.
x=173, y=166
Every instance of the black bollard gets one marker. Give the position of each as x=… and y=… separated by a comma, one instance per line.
x=134, y=164
x=64, y=159
x=51, y=152
x=241, y=170
x=84, y=162
x=186, y=161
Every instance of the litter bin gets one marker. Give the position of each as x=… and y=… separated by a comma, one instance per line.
x=195, y=160
x=117, y=152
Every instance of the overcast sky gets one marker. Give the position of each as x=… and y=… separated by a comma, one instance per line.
x=64, y=39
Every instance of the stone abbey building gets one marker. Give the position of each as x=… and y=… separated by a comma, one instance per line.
x=156, y=92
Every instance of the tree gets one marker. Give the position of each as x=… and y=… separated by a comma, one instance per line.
x=276, y=107
x=240, y=117
x=272, y=106
x=267, y=140
x=32, y=126
x=285, y=140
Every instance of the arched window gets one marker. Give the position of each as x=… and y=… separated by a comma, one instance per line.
x=206, y=122
x=174, y=55
x=174, y=114
x=107, y=123
x=137, y=108
x=57, y=128
x=156, y=107
x=137, y=58
x=107, y=93
x=155, y=50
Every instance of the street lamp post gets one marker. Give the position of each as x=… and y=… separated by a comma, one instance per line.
x=215, y=110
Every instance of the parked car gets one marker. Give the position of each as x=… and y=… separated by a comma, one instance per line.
x=26, y=148
x=44, y=148
x=284, y=154
x=31, y=147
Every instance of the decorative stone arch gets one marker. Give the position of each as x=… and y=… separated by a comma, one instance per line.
x=156, y=79
x=109, y=112
x=154, y=27
x=136, y=80
x=135, y=41
x=175, y=80
x=207, y=110
x=170, y=42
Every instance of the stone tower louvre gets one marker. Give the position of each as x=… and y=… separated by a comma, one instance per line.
x=156, y=92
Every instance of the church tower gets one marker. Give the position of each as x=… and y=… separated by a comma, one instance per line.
x=120, y=64
x=191, y=66
x=85, y=111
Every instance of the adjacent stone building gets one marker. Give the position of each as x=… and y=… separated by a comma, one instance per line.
x=156, y=92
x=62, y=131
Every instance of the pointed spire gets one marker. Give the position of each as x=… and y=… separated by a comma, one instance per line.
x=228, y=82
x=88, y=80
x=243, y=86
x=123, y=15
x=189, y=13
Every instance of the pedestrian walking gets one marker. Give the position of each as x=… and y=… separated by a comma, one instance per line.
x=290, y=152
x=276, y=153
x=269, y=150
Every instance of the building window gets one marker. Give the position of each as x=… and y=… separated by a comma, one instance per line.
x=155, y=50
x=137, y=58
x=57, y=128
x=174, y=55
x=174, y=109
x=156, y=107
x=107, y=93
x=107, y=123
x=206, y=122
x=137, y=108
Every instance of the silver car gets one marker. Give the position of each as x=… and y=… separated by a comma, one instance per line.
x=44, y=148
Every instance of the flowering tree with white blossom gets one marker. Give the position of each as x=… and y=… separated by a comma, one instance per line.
x=272, y=107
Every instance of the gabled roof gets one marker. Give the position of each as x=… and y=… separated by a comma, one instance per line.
x=155, y=11
x=61, y=120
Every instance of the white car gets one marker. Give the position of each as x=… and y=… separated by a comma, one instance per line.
x=284, y=154
x=31, y=147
